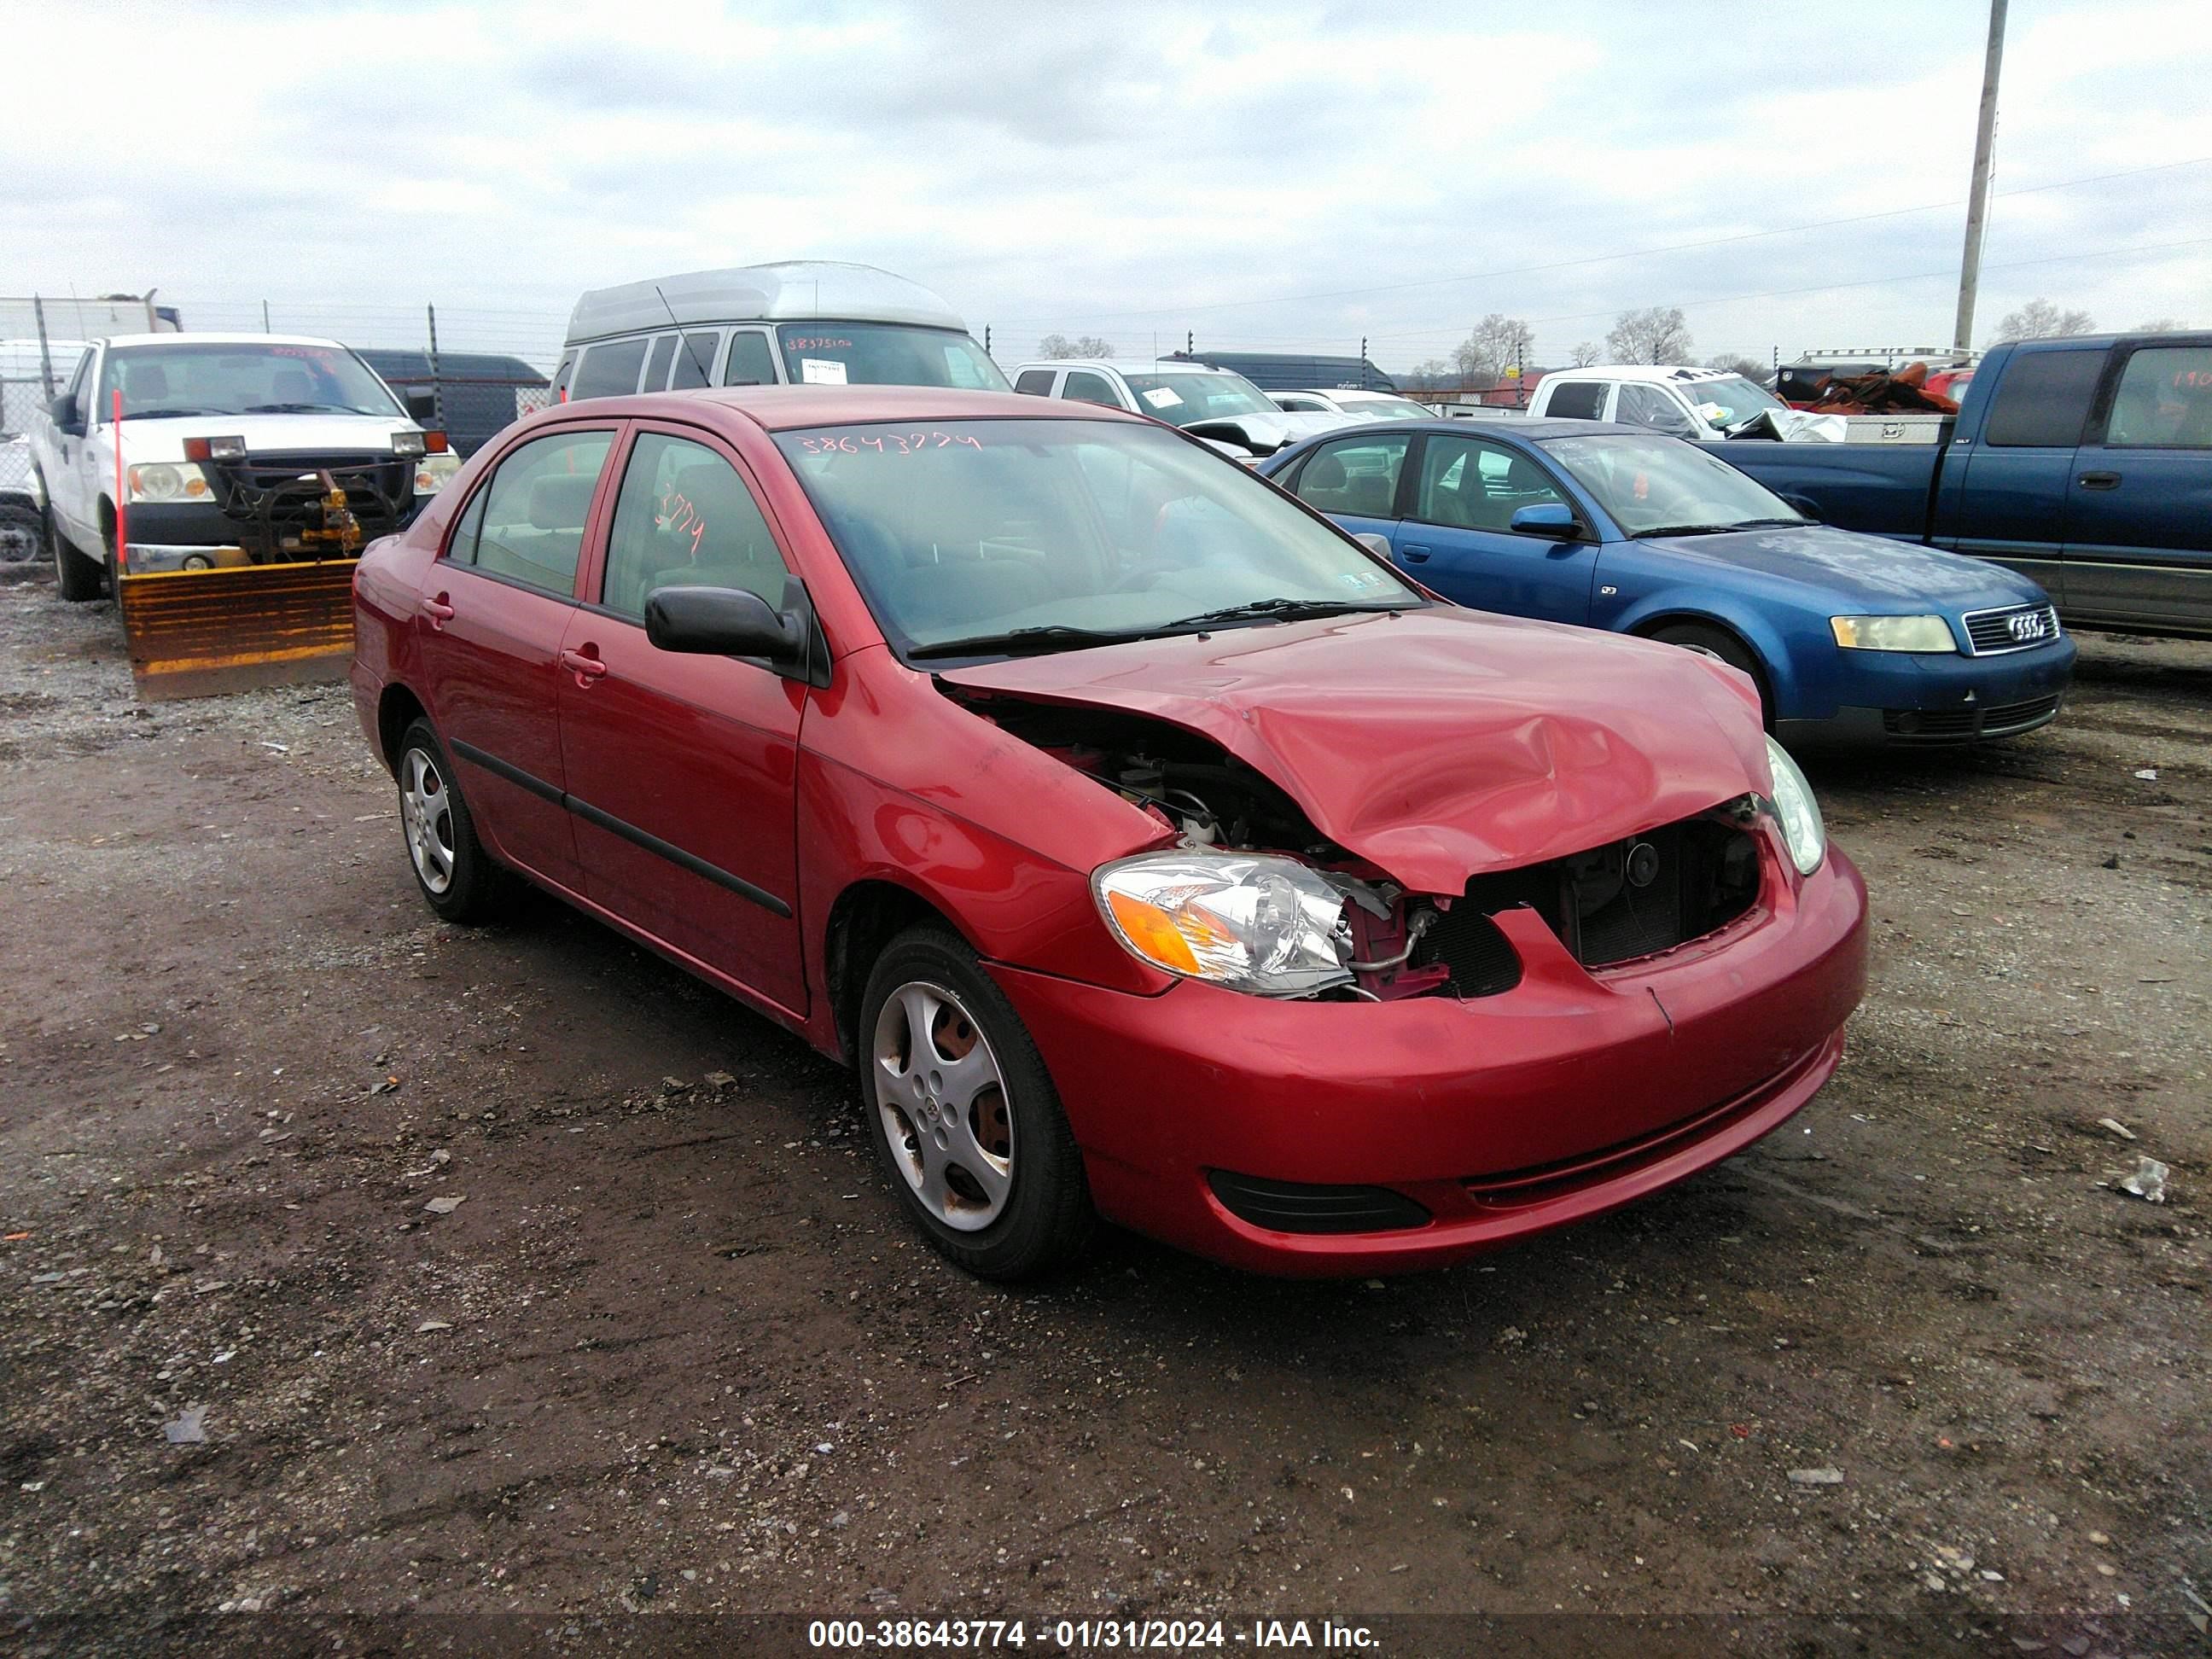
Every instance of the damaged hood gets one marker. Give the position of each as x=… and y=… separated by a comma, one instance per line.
x=1441, y=742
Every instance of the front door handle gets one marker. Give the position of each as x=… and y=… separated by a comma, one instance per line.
x=438, y=610
x=585, y=664
x=2100, y=481
x=1414, y=554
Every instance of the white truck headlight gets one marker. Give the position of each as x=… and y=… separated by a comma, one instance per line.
x=433, y=472
x=1893, y=633
x=167, y=481
x=1268, y=926
x=1797, y=812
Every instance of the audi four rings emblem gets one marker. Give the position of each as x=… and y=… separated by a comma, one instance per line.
x=2027, y=625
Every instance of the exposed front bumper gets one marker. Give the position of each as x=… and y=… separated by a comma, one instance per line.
x=1909, y=699
x=196, y=535
x=1501, y=1116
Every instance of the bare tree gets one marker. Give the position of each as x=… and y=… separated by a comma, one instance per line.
x=1585, y=353
x=1497, y=342
x=2039, y=320
x=1426, y=376
x=2161, y=325
x=1657, y=334
x=1084, y=345
x=1733, y=362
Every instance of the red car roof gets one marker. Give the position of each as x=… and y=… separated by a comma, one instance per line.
x=781, y=408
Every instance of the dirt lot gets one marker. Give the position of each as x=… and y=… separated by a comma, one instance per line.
x=676, y=1350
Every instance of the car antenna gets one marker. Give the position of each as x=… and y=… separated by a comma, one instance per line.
x=704, y=378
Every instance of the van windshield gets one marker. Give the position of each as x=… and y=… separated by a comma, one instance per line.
x=884, y=354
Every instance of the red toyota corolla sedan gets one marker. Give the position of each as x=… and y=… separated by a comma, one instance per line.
x=1151, y=848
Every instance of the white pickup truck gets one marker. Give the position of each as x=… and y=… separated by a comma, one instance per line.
x=231, y=448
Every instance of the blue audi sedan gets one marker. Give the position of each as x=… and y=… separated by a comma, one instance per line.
x=1851, y=639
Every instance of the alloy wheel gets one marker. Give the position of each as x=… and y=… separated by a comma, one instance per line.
x=426, y=815
x=942, y=1098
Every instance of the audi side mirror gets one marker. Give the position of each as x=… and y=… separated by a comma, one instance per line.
x=725, y=621
x=1552, y=518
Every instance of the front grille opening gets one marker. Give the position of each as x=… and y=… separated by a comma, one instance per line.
x=1294, y=1206
x=275, y=500
x=1997, y=720
x=1481, y=959
x=1612, y=903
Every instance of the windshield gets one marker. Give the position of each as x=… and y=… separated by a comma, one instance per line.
x=1656, y=485
x=1180, y=399
x=884, y=354
x=1737, y=397
x=970, y=531
x=1384, y=408
x=200, y=379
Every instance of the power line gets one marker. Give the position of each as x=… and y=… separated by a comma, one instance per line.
x=1605, y=258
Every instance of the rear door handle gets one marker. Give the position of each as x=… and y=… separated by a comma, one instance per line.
x=2100, y=481
x=1414, y=554
x=585, y=666
x=438, y=611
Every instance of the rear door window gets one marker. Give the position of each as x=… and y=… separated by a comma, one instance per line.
x=695, y=363
x=750, y=361
x=609, y=370
x=529, y=526
x=2043, y=399
x=2164, y=400
x=1577, y=400
x=656, y=367
x=1357, y=477
x=1037, y=382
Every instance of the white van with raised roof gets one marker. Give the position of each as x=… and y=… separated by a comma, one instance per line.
x=812, y=322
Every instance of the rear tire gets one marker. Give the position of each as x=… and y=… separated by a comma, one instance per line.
x=1711, y=641
x=456, y=877
x=78, y=578
x=22, y=534
x=964, y=1114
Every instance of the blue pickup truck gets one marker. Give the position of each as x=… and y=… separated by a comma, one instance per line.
x=2085, y=463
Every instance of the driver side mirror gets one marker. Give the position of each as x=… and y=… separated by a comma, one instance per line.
x=1379, y=545
x=1552, y=518
x=729, y=622
x=422, y=408
x=66, y=415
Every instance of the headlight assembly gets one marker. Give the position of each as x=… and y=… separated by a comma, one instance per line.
x=1267, y=925
x=1796, y=811
x=433, y=472
x=167, y=481
x=1893, y=633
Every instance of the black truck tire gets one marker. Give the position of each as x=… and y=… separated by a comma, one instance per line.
x=79, y=578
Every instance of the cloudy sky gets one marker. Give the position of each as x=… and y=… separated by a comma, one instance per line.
x=1292, y=176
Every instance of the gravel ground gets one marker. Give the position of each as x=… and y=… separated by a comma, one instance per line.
x=673, y=1350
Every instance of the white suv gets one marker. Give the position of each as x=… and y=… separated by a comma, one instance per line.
x=1213, y=403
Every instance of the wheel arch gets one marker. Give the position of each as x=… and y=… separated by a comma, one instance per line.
x=1769, y=651
x=864, y=917
x=396, y=709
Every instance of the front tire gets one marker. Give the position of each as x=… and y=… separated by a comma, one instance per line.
x=78, y=578
x=963, y=1114
x=455, y=875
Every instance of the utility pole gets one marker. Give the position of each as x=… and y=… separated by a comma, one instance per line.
x=1977, y=202
x=265, y=316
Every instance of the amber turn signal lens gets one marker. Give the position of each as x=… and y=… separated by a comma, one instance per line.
x=1152, y=932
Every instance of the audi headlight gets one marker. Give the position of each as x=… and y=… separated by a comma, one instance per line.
x=1797, y=812
x=433, y=472
x=1892, y=632
x=1268, y=926
x=167, y=481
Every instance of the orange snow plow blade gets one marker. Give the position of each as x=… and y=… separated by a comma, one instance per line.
x=201, y=633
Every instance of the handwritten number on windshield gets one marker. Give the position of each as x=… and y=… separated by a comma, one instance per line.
x=887, y=443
